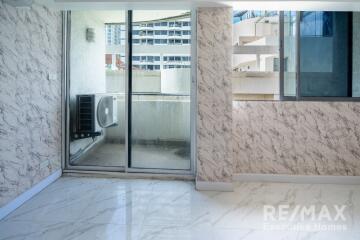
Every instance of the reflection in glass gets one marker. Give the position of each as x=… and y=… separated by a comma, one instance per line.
x=356, y=55
x=160, y=106
x=324, y=54
x=97, y=87
x=289, y=54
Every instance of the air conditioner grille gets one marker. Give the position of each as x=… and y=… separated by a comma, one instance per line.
x=85, y=113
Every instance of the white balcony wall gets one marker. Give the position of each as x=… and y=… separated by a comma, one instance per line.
x=255, y=83
x=149, y=113
x=155, y=117
x=87, y=61
x=146, y=81
x=265, y=41
x=250, y=27
x=175, y=81
x=248, y=62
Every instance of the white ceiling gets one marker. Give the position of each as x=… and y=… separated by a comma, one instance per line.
x=329, y=5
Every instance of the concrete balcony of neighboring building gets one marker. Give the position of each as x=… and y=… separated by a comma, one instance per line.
x=251, y=85
x=255, y=49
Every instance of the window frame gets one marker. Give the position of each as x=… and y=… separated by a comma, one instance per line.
x=65, y=103
x=298, y=96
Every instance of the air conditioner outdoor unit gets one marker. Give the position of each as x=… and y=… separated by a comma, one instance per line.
x=95, y=112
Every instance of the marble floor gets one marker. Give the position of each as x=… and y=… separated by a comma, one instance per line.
x=96, y=208
x=143, y=156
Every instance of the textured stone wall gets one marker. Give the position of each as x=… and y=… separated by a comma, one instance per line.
x=214, y=95
x=30, y=97
x=300, y=138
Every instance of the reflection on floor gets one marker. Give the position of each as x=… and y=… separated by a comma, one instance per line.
x=143, y=156
x=95, y=208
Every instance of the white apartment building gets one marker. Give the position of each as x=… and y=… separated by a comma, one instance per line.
x=256, y=55
x=153, y=43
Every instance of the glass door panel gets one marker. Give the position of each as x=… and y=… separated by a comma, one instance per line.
x=325, y=50
x=97, y=88
x=290, y=59
x=160, y=90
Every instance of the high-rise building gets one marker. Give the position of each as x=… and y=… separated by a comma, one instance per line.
x=153, y=43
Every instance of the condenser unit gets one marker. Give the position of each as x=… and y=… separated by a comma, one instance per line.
x=95, y=112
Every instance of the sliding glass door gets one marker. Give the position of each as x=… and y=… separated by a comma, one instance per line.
x=160, y=90
x=96, y=89
x=128, y=81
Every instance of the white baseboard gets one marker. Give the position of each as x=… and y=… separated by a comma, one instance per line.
x=25, y=196
x=284, y=178
x=214, y=186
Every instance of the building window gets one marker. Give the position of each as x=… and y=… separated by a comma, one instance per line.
x=316, y=60
x=150, y=58
x=185, y=41
x=136, y=58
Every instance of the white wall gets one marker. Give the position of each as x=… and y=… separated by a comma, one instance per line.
x=87, y=59
x=154, y=118
x=175, y=81
x=249, y=27
x=87, y=63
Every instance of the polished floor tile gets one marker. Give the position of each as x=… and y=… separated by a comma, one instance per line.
x=113, y=155
x=96, y=208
